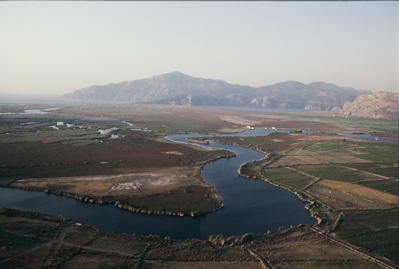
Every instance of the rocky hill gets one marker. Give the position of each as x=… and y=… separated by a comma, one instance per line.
x=379, y=105
x=180, y=89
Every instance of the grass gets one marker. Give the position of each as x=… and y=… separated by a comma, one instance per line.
x=389, y=186
x=47, y=135
x=20, y=241
x=335, y=174
x=11, y=130
x=192, y=198
x=387, y=169
x=83, y=152
x=137, y=151
x=291, y=179
x=334, y=146
x=349, y=125
x=143, y=157
x=376, y=231
x=127, y=247
x=295, y=248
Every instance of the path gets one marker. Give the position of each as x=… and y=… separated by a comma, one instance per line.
x=263, y=262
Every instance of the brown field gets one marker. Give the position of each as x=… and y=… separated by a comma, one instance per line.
x=358, y=196
x=302, y=248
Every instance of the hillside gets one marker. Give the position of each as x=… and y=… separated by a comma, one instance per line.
x=180, y=89
x=379, y=105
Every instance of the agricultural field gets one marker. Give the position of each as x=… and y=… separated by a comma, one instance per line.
x=33, y=240
x=69, y=152
x=118, y=154
x=334, y=123
x=339, y=177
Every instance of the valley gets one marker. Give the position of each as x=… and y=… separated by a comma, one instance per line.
x=350, y=183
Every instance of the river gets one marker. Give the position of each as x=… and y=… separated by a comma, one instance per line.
x=251, y=205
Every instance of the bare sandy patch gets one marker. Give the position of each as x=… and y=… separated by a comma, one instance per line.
x=173, y=152
x=95, y=186
x=162, y=181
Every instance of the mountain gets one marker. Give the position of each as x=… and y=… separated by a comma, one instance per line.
x=181, y=89
x=313, y=96
x=379, y=105
x=158, y=89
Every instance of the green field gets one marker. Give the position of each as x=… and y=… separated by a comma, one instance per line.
x=337, y=176
x=376, y=231
x=289, y=178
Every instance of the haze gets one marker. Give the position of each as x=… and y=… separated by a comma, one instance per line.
x=58, y=47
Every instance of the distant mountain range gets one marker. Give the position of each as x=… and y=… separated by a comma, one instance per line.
x=181, y=89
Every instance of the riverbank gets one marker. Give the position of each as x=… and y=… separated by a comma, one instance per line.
x=140, y=172
x=238, y=217
x=350, y=183
x=202, y=197
x=33, y=239
x=253, y=169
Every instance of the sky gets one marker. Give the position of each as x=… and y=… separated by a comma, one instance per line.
x=58, y=47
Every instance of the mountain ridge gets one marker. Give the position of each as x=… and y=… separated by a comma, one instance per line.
x=180, y=89
x=378, y=105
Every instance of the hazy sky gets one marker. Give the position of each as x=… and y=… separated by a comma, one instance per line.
x=57, y=47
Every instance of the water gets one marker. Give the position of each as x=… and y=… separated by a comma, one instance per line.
x=368, y=137
x=251, y=206
x=262, y=109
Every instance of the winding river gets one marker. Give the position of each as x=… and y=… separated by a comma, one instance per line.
x=251, y=206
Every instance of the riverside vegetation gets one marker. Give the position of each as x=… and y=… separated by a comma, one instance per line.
x=351, y=185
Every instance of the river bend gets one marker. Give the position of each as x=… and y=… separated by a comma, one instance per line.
x=251, y=205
